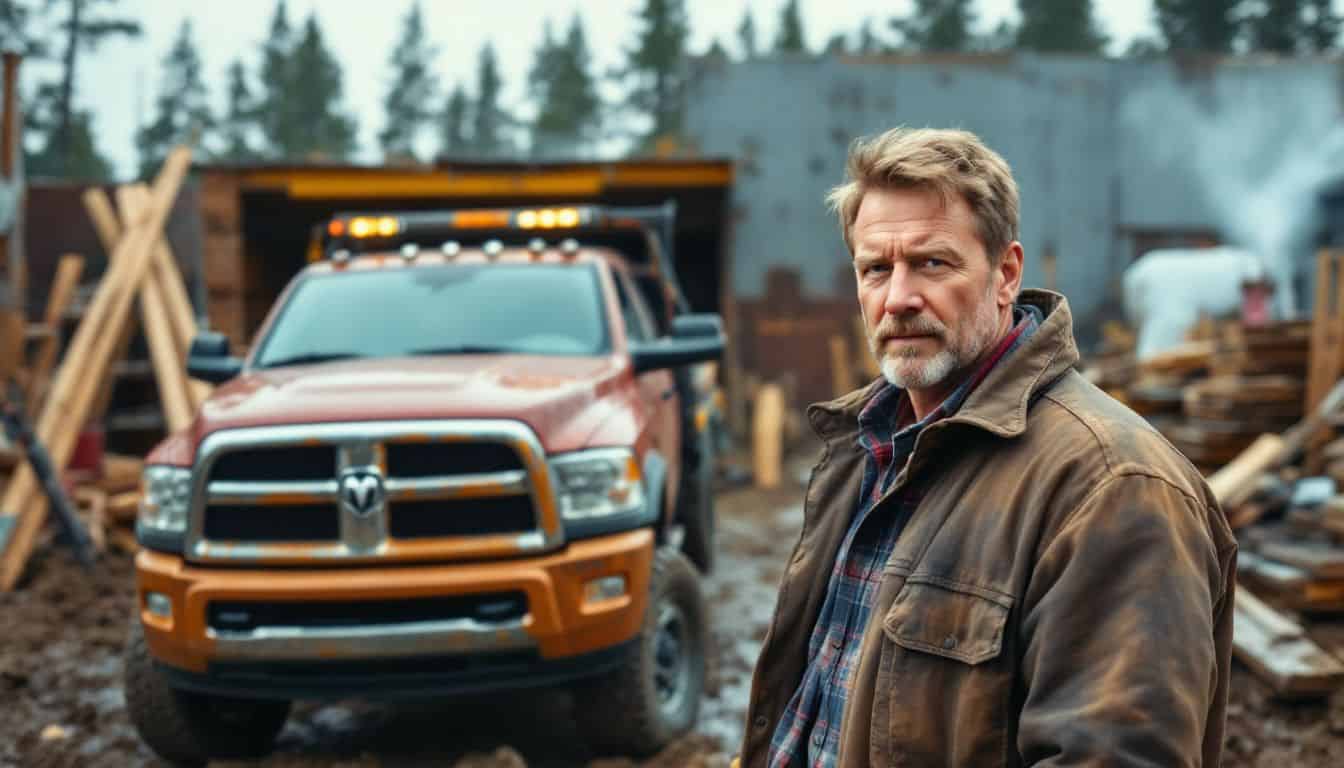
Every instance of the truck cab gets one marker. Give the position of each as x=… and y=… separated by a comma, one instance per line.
x=468, y=450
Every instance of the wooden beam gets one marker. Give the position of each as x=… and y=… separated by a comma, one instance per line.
x=1326, y=355
x=68, y=272
x=177, y=303
x=105, y=223
x=156, y=324
x=87, y=362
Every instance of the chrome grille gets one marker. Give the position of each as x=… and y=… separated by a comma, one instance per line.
x=422, y=483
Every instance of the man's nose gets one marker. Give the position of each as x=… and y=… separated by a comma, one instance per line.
x=903, y=293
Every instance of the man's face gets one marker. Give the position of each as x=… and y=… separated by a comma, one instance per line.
x=932, y=302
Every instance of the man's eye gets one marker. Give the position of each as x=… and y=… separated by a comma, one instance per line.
x=875, y=269
x=934, y=263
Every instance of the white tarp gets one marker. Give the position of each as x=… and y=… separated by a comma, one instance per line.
x=1166, y=290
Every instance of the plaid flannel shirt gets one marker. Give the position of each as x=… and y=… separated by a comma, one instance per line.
x=808, y=733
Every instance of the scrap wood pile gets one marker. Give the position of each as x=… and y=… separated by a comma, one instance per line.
x=58, y=401
x=1259, y=409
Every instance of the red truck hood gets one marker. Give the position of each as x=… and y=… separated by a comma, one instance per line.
x=563, y=399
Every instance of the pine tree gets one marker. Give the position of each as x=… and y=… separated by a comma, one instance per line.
x=84, y=29
x=1290, y=26
x=240, y=112
x=791, y=38
x=81, y=160
x=569, y=110
x=315, y=91
x=182, y=109
x=937, y=25
x=868, y=42
x=15, y=31
x=655, y=68
x=1321, y=26
x=277, y=116
x=1197, y=25
x=1059, y=25
x=488, y=118
x=838, y=44
x=409, y=101
x=453, y=124
x=746, y=35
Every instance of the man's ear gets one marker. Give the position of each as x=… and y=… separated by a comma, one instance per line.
x=1010, y=274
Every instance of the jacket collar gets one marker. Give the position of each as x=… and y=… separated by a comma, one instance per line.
x=999, y=404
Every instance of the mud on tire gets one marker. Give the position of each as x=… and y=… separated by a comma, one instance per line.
x=188, y=728
x=654, y=696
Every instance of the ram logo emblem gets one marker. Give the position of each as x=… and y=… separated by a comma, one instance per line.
x=362, y=493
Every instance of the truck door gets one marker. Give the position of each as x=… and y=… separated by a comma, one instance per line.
x=657, y=389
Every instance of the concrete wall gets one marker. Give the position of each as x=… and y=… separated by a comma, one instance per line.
x=1109, y=154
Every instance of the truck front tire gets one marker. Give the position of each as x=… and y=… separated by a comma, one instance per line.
x=654, y=696
x=189, y=728
x=697, y=506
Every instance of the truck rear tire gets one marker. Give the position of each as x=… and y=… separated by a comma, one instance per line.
x=697, y=507
x=189, y=728
x=654, y=696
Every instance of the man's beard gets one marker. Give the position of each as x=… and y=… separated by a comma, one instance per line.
x=904, y=368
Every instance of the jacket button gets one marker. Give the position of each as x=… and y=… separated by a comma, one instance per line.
x=761, y=722
x=949, y=642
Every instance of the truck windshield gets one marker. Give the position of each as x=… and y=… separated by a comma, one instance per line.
x=540, y=309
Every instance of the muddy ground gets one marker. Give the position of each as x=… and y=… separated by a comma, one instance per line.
x=60, y=681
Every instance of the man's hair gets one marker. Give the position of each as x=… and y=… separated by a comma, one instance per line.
x=947, y=161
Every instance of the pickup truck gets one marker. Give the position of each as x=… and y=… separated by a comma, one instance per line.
x=467, y=451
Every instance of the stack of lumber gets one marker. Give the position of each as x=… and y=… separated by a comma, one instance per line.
x=1224, y=414
x=141, y=274
x=1158, y=391
x=1291, y=556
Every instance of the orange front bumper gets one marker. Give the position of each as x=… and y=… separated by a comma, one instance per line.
x=558, y=620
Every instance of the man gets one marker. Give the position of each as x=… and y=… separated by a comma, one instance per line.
x=999, y=565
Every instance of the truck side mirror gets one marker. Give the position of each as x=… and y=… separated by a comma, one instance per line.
x=694, y=339
x=209, y=359
x=697, y=326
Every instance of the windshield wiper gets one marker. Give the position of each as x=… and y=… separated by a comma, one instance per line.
x=466, y=349
x=322, y=357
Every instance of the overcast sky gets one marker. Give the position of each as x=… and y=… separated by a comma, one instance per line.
x=120, y=79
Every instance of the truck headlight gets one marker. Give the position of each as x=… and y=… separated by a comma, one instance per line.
x=598, y=483
x=167, y=497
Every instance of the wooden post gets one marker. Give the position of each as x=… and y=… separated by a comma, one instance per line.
x=86, y=363
x=767, y=445
x=1326, y=361
x=13, y=322
x=62, y=292
x=156, y=324
x=842, y=375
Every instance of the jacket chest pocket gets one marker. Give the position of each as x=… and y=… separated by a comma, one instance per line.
x=944, y=683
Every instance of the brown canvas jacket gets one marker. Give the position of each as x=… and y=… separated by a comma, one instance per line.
x=1061, y=596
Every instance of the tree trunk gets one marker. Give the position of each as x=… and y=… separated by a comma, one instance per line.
x=67, y=89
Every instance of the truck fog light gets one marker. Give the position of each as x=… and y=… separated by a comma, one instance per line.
x=605, y=588
x=159, y=604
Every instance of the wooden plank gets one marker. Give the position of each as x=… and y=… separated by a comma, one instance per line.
x=1232, y=484
x=1321, y=560
x=1279, y=651
x=63, y=287
x=124, y=506
x=156, y=324
x=94, y=503
x=72, y=397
